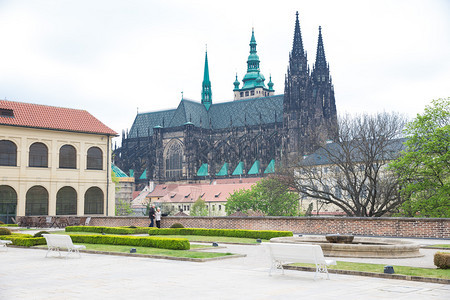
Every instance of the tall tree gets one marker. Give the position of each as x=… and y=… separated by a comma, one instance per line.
x=424, y=166
x=269, y=196
x=351, y=172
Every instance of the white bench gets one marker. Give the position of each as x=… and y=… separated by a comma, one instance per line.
x=3, y=244
x=56, y=242
x=298, y=253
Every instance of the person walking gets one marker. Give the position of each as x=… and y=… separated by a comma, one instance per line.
x=151, y=215
x=158, y=217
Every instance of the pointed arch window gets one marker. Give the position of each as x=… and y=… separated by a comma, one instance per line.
x=174, y=161
x=8, y=153
x=38, y=156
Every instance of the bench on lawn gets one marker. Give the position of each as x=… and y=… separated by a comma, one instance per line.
x=56, y=242
x=298, y=253
x=3, y=244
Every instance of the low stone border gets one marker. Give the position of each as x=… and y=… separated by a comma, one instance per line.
x=438, y=248
x=371, y=274
x=147, y=255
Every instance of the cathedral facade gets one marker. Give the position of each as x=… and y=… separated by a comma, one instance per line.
x=245, y=137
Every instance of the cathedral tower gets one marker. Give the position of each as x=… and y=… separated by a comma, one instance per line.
x=309, y=109
x=253, y=82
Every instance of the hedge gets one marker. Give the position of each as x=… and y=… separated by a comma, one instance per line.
x=109, y=230
x=144, y=241
x=9, y=225
x=24, y=240
x=255, y=234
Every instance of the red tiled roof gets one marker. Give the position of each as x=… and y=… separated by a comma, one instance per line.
x=51, y=117
x=208, y=192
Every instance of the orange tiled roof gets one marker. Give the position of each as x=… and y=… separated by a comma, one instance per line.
x=50, y=117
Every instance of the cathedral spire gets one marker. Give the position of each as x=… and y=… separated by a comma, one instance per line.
x=297, y=47
x=206, y=85
x=321, y=62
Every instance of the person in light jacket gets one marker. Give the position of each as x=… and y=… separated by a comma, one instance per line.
x=158, y=217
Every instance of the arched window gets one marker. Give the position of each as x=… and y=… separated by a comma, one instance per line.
x=36, y=201
x=38, y=156
x=8, y=153
x=68, y=157
x=94, y=159
x=93, y=201
x=174, y=161
x=8, y=204
x=66, y=201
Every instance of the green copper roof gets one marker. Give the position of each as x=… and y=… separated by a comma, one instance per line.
x=144, y=175
x=239, y=169
x=271, y=167
x=117, y=171
x=254, y=169
x=243, y=112
x=203, y=170
x=131, y=173
x=223, y=171
x=206, y=85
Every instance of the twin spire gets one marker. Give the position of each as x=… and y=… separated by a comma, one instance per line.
x=253, y=82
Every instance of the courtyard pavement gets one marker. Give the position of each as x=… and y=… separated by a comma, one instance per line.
x=27, y=274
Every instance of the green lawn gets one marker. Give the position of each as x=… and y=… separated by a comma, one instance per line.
x=379, y=268
x=440, y=246
x=152, y=251
x=218, y=239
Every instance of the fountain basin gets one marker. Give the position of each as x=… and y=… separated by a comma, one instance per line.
x=362, y=247
x=339, y=238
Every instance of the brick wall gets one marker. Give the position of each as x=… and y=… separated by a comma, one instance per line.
x=389, y=227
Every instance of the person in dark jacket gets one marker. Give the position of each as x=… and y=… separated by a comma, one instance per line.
x=151, y=215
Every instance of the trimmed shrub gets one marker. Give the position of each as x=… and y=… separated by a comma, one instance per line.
x=442, y=260
x=26, y=240
x=1, y=223
x=255, y=234
x=108, y=230
x=155, y=242
x=40, y=233
x=5, y=231
x=176, y=225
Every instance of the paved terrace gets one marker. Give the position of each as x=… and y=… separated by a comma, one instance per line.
x=27, y=274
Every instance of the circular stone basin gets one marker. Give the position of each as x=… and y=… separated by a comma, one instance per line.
x=339, y=238
x=364, y=247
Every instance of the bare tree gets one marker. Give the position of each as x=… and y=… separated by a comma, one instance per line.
x=351, y=172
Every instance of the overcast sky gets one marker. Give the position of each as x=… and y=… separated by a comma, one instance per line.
x=113, y=57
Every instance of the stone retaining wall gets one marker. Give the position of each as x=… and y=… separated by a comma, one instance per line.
x=388, y=227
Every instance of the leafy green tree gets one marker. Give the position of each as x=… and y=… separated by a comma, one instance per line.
x=123, y=208
x=270, y=196
x=424, y=167
x=199, y=208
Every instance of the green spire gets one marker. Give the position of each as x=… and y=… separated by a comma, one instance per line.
x=206, y=85
x=270, y=83
x=236, y=84
x=253, y=78
x=253, y=58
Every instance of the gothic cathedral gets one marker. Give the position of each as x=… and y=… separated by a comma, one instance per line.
x=249, y=136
